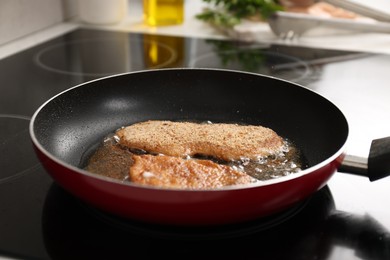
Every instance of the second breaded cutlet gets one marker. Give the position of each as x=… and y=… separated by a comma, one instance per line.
x=173, y=172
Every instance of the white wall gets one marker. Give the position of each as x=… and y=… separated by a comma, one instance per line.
x=19, y=18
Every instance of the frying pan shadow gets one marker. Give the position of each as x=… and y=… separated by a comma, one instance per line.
x=72, y=230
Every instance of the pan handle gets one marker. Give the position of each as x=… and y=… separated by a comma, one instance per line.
x=377, y=165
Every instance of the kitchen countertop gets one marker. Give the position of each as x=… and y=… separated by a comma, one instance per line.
x=340, y=40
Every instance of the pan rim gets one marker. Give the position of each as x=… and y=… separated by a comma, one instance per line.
x=257, y=184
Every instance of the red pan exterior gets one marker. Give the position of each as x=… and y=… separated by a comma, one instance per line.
x=185, y=207
x=190, y=207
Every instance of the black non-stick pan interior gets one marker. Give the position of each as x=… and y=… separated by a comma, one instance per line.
x=78, y=119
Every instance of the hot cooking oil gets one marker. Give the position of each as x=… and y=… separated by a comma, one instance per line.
x=163, y=12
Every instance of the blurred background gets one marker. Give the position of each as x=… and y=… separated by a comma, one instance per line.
x=24, y=17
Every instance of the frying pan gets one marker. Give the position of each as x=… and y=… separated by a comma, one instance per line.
x=66, y=128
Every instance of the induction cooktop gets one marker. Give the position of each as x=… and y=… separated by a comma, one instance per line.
x=347, y=219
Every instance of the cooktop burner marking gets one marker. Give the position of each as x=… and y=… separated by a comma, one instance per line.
x=256, y=60
x=18, y=157
x=102, y=57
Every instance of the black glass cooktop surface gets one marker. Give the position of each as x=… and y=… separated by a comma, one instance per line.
x=347, y=219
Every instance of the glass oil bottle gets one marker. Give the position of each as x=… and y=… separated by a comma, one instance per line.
x=163, y=12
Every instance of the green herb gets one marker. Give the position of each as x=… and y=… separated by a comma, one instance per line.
x=228, y=13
